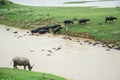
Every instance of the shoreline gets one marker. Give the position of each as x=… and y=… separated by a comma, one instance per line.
x=77, y=37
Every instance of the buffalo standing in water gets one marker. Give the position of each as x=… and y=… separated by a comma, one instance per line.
x=83, y=21
x=68, y=22
x=21, y=61
x=110, y=18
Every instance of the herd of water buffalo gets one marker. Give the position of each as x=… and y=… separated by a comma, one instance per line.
x=57, y=27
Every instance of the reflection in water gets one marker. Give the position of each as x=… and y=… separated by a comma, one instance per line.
x=72, y=60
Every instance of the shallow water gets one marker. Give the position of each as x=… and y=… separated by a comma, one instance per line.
x=113, y=3
x=72, y=61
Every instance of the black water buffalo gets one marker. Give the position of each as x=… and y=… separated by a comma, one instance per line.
x=68, y=22
x=44, y=27
x=21, y=61
x=41, y=30
x=110, y=18
x=57, y=29
x=83, y=21
x=55, y=26
x=35, y=31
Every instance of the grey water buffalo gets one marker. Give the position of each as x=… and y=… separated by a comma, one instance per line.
x=83, y=21
x=110, y=18
x=67, y=22
x=21, y=61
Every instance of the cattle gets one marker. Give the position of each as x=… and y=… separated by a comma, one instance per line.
x=21, y=61
x=57, y=29
x=40, y=30
x=44, y=27
x=67, y=22
x=54, y=26
x=110, y=18
x=83, y=21
x=35, y=31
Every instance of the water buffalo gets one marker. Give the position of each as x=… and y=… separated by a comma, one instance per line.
x=35, y=31
x=44, y=27
x=55, y=26
x=83, y=21
x=57, y=29
x=22, y=61
x=41, y=30
x=68, y=22
x=110, y=18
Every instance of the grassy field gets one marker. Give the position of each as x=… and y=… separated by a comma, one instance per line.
x=28, y=17
x=18, y=74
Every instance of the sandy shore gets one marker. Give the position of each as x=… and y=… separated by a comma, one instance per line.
x=72, y=59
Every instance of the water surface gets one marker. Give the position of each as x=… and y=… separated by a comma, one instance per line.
x=100, y=3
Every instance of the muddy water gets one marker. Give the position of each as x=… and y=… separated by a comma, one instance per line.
x=72, y=59
x=97, y=3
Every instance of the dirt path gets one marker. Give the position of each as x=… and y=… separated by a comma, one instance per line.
x=73, y=59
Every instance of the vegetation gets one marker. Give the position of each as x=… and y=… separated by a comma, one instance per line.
x=17, y=74
x=28, y=17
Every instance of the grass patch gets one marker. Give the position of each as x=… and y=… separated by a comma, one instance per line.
x=28, y=17
x=18, y=74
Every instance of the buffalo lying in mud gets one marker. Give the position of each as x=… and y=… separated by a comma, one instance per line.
x=41, y=30
x=110, y=18
x=56, y=28
x=67, y=22
x=46, y=29
x=21, y=61
x=83, y=21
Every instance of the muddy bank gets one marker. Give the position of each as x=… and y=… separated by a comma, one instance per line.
x=93, y=38
x=72, y=58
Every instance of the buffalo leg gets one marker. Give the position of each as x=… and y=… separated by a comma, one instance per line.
x=24, y=67
x=15, y=66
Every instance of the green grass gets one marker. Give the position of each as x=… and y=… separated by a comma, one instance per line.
x=29, y=17
x=18, y=74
